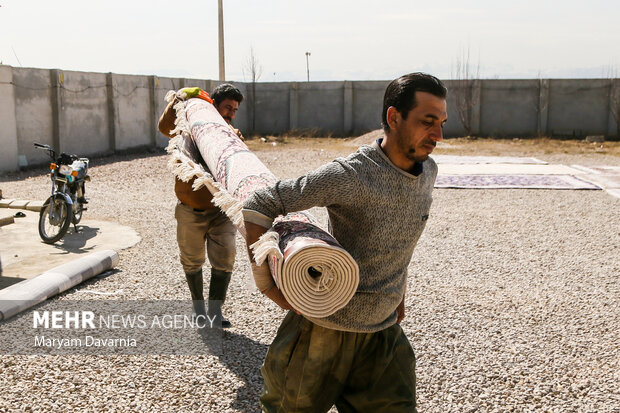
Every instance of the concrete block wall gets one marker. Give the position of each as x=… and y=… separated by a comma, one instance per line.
x=98, y=113
x=519, y=103
x=272, y=107
x=8, y=122
x=161, y=85
x=579, y=108
x=84, y=114
x=133, y=116
x=33, y=112
x=453, y=127
x=367, y=102
x=321, y=106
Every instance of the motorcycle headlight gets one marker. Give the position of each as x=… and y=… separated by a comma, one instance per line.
x=65, y=169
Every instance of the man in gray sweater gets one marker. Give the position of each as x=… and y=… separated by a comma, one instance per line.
x=378, y=201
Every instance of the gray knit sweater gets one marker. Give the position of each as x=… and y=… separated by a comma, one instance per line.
x=376, y=211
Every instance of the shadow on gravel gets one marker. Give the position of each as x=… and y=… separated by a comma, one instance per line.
x=74, y=242
x=244, y=357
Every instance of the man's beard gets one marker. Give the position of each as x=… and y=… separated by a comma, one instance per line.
x=412, y=155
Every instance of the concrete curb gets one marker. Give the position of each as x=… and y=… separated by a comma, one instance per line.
x=5, y=202
x=25, y=294
x=6, y=219
x=18, y=204
x=35, y=206
x=21, y=204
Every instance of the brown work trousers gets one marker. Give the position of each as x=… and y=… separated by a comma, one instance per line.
x=199, y=229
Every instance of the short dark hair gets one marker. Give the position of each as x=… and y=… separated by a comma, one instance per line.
x=400, y=93
x=226, y=91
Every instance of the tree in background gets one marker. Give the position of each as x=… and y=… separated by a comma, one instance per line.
x=253, y=70
x=541, y=104
x=465, y=93
x=614, y=96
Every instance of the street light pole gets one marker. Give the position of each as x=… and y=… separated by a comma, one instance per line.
x=308, y=65
x=220, y=21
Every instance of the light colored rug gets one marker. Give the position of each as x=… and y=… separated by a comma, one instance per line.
x=506, y=169
x=607, y=177
x=513, y=181
x=456, y=159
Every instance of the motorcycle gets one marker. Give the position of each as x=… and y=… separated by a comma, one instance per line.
x=66, y=204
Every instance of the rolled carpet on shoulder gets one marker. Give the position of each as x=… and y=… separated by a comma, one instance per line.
x=315, y=274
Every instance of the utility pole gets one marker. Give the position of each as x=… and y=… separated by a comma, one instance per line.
x=220, y=21
x=307, y=64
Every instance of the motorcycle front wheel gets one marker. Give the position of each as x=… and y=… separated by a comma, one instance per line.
x=54, y=219
x=78, y=207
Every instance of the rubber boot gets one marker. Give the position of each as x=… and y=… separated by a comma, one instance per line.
x=217, y=295
x=194, y=281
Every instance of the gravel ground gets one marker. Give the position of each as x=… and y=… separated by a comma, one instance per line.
x=512, y=301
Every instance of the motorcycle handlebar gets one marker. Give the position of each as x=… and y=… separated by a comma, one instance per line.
x=52, y=153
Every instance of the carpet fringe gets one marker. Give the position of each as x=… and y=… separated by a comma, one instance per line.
x=186, y=169
x=267, y=244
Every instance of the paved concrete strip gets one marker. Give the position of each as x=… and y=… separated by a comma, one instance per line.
x=4, y=203
x=604, y=181
x=35, y=206
x=18, y=204
x=25, y=294
x=25, y=256
x=605, y=176
x=614, y=192
x=6, y=219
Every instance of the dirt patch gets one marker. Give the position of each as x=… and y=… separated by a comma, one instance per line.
x=311, y=150
x=367, y=138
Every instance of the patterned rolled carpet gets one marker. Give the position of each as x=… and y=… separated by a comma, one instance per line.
x=315, y=274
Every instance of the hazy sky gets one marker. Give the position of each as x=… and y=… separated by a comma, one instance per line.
x=348, y=40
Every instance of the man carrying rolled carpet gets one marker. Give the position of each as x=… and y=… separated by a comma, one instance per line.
x=378, y=201
x=200, y=222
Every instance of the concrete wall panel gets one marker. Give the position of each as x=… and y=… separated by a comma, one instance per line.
x=321, y=106
x=84, y=114
x=132, y=109
x=33, y=112
x=8, y=130
x=453, y=127
x=367, y=106
x=578, y=107
x=509, y=107
x=272, y=107
x=161, y=86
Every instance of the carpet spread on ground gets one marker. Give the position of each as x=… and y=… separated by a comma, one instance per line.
x=457, y=159
x=498, y=172
x=513, y=181
x=505, y=169
x=607, y=177
x=315, y=274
